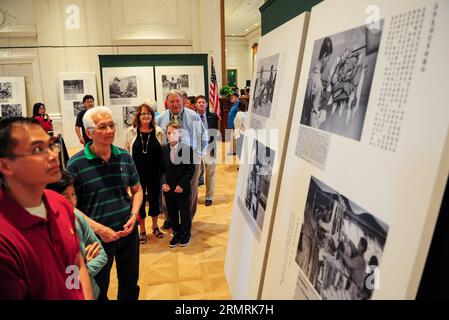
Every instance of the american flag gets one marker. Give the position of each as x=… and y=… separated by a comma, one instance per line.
x=214, y=100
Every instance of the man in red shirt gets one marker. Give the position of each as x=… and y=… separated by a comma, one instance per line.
x=39, y=250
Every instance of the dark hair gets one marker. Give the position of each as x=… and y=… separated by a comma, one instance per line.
x=242, y=92
x=235, y=94
x=192, y=99
x=7, y=143
x=136, y=119
x=326, y=48
x=87, y=97
x=200, y=97
x=36, y=108
x=242, y=106
x=63, y=183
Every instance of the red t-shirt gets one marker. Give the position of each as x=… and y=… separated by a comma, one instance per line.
x=37, y=256
x=46, y=124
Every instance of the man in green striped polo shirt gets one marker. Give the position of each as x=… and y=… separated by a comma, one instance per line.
x=103, y=174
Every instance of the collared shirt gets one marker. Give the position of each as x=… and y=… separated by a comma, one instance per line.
x=232, y=114
x=102, y=186
x=193, y=132
x=37, y=256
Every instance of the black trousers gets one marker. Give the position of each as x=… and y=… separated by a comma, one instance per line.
x=178, y=207
x=151, y=188
x=126, y=254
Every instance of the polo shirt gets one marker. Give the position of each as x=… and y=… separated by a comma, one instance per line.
x=102, y=187
x=35, y=253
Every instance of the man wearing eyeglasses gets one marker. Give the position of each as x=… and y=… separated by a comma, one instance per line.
x=103, y=174
x=39, y=250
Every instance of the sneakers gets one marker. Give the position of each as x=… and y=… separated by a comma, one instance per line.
x=175, y=241
x=185, y=240
x=208, y=203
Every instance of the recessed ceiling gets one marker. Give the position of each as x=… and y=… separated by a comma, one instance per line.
x=242, y=17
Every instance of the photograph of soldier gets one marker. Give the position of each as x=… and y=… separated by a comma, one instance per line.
x=73, y=86
x=123, y=87
x=340, y=79
x=340, y=245
x=264, y=86
x=262, y=160
x=11, y=110
x=6, y=90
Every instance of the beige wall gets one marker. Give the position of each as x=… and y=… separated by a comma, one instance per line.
x=47, y=47
x=238, y=56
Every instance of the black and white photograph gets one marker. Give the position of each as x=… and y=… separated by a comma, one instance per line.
x=78, y=106
x=122, y=87
x=11, y=110
x=339, y=81
x=128, y=115
x=175, y=82
x=73, y=86
x=259, y=176
x=264, y=85
x=340, y=245
x=6, y=90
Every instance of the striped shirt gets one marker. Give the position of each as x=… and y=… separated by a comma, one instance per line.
x=101, y=187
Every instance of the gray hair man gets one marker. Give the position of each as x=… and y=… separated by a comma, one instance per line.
x=103, y=173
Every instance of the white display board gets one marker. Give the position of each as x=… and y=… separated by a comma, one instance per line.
x=125, y=89
x=12, y=97
x=186, y=78
x=276, y=74
x=127, y=86
x=367, y=159
x=72, y=88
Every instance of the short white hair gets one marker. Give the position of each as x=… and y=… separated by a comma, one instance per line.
x=173, y=93
x=88, y=120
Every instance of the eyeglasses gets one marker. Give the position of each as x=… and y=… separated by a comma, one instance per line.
x=105, y=126
x=39, y=151
x=145, y=114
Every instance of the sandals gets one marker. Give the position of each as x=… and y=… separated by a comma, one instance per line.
x=158, y=233
x=143, y=238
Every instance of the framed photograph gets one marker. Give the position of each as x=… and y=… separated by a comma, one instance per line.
x=122, y=87
x=73, y=86
x=11, y=110
x=6, y=90
x=128, y=86
x=340, y=245
x=258, y=182
x=264, y=86
x=12, y=97
x=189, y=79
x=339, y=81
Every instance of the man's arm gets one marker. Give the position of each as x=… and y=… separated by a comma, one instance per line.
x=79, y=134
x=106, y=234
x=84, y=278
x=137, y=195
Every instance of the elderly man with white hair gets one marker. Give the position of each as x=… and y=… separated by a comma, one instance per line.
x=103, y=173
